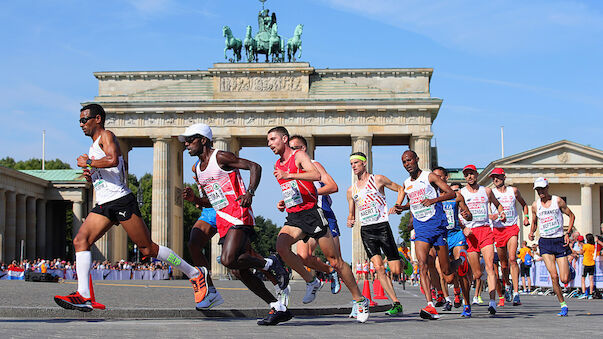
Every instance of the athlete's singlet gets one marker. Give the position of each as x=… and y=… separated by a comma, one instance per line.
x=417, y=190
x=452, y=215
x=110, y=182
x=324, y=201
x=507, y=200
x=478, y=206
x=371, y=204
x=299, y=195
x=222, y=188
x=550, y=219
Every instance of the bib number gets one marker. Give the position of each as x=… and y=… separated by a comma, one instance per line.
x=368, y=213
x=291, y=194
x=449, y=216
x=216, y=196
x=548, y=225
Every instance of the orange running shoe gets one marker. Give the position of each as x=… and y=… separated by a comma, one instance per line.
x=74, y=301
x=429, y=313
x=501, y=302
x=199, y=284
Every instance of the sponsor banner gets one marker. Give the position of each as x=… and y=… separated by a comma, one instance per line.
x=70, y=274
x=541, y=277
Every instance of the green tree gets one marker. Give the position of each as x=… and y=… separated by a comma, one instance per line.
x=403, y=229
x=190, y=214
x=33, y=164
x=266, y=231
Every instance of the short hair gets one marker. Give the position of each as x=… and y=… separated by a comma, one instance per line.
x=590, y=238
x=280, y=130
x=412, y=152
x=300, y=138
x=445, y=171
x=95, y=110
x=359, y=153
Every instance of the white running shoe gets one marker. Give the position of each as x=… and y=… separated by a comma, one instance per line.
x=354, y=313
x=311, y=289
x=212, y=299
x=362, y=308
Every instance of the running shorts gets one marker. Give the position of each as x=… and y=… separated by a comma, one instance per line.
x=588, y=270
x=435, y=236
x=249, y=231
x=479, y=238
x=503, y=234
x=312, y=222
x=553, y=246
x=524, y=271
x=120, y=209
x=455, y=239
x=332, y=220
x=378, y=237
x=209, y=216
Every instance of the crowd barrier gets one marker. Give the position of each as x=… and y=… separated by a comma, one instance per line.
x=540, y=275
x=70, y=274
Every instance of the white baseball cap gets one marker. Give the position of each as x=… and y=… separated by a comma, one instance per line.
x=540, y=182
x=201, y=129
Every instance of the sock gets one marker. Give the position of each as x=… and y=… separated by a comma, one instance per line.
x=430, y=304
x=563, y=304
x=167, y=255
x=212, y=289
x=278, y=306
x=83, y=260
x=268, y=264
x=515, y=294
x=492, y=303
x=501, y=297
x=448, y=299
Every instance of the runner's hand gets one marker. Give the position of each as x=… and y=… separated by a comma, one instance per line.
x=467, y=231
x=493, y=216
x=526, y=221
x=531, y=236
x=188, y=194
x=399, y=208
x=87, y=175
x=428, y=202
x=465, y=214
x=81, y=161
x=351, y=222
x=502, y=216
x=280, y=174
x=245, y=200
x=281, y=205
x=566, y=240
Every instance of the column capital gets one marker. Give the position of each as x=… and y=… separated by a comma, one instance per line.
x=366, y=137
x=587, y=184
x=166, y=139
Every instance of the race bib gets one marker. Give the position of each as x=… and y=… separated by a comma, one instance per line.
x=291, y=194
x=479, y=210
x=449, y=210
x=419, y=211
x=548, y=225
x=368, y=213
x=99, y=184
x=216, y=196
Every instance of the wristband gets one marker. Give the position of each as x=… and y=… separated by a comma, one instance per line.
x=526, y=216
x=251, y=192
x=89, y=163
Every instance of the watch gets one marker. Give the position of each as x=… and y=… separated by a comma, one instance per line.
x=89, y=162
x=251, y=192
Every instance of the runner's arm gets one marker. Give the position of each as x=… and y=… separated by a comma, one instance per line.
x=499, y=206
x=563, y=207
x=227, y=160
x=110, y=146
x=534, y=222
x=302, y=161
x=398, y=207
x=519, y=198
x=460, y=200
x=330, y=186
x=447, y=192
x=351, y=208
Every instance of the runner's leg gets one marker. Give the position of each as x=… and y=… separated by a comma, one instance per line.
x=503, y=258
x=288, y=236
x=549, y=262
x=306, y=252
x=343, y=269
x=386, y=283
x=488, y=254
x=463, y=281
x=200, y=235
x=422, y=252
x=514, y=267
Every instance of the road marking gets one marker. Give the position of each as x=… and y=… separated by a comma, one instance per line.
x=160, y=286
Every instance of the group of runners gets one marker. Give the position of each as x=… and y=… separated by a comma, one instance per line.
x=451, y=228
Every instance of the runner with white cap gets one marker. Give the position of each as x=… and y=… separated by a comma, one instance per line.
x=547, y=216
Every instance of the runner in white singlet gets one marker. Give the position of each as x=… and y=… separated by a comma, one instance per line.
x=104, y=166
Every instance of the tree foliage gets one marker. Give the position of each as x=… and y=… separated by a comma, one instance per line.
x=403, y=229
x=266, y=230
x=33, y=164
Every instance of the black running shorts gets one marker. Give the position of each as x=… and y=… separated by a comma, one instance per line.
x=120, y=209
x=524, y=271
x=588, y=270
x=377, y=238
x=312, y=222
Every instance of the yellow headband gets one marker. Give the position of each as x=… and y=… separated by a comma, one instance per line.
x=356, y=156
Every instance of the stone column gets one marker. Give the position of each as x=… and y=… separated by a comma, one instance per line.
x=10, y=238
x=360, y=144
x=41, y=228
x=117, y=242
x=176, y=226
x=2, y=222
x=421, y=144
x=30, y=239
x=21, y=224
x=161, y=192
x=311, y=146
x=586, y=201
x=78, y=219
x=218, y=270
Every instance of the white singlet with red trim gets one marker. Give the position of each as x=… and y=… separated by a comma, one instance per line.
x=550, y=219
x=477, y=203
x=418, y=190
x=110, y=182
x=371, y=204
x=507, y=200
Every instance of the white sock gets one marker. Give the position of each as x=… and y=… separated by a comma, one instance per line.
x=430, y=304
x=448, y=299
x=492, y=303
x=83, y=260
x=515, y=293
x=268, y=264
x=277, y=305
x=167, y=255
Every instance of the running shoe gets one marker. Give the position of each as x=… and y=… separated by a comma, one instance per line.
x=362, y=310
x=583, y=296
x=447, y=306
x=396, y=309
x=335, y=284
x=475, y=301
x=283, y=295
x=457, y=301
x=563, y=312
x=466, y=312
x=508, y=294
x=572, y=273
x=354, y=312
x=501, y=302
x=440, y=301
x=278, y=270
x=199, y=284
x=429, y=313
x=74, y=301
x=516, y=301
x=212, y=299
x=311, y=289
x=274, y=317
x=464, y=266
x=480, y=300
x=492, y=308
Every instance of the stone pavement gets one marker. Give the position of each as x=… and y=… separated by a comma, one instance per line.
x=535, y=318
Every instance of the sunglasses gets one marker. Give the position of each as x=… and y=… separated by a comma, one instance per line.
x=191, y=138
x=295, y=148
x=85, y=120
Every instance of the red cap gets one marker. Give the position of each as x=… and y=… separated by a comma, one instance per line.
x=580, y=238
x=498, y=171
x=469, y=167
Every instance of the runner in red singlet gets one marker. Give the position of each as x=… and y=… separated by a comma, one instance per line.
x=224, y=190
x=295, y=173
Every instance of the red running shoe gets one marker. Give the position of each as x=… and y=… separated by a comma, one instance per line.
x=429, y=313
x=74, y=301
x=440, y=301
x=457, y=301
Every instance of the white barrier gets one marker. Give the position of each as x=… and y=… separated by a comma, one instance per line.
x=540, y=275
x=107, y=274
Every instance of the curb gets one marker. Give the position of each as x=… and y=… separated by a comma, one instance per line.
x=165, y=313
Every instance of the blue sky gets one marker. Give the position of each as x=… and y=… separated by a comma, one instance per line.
x=532, y=66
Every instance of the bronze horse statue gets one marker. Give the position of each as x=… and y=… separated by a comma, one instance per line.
x=232, y=43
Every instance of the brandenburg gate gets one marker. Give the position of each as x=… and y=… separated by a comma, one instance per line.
x=242, y=101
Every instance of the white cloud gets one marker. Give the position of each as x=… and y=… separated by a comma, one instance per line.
x=487, y=27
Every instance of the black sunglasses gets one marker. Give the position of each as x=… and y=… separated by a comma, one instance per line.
x=191, y=138
x=296, y=148
x=85, y=120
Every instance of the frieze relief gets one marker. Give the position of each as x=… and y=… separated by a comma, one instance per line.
x=281, y=83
